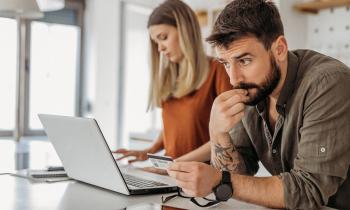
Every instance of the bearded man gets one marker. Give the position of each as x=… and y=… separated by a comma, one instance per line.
x=288, y=109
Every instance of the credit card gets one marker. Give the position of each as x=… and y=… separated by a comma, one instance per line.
x=159, y=161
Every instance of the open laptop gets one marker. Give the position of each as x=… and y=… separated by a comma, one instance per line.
x=86, y=157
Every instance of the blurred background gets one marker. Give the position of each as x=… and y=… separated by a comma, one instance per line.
x=90, y=58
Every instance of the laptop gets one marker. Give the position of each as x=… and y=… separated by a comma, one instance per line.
x=86, y=157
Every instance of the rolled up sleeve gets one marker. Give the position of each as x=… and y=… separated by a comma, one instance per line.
x=304, y=190
x=323, y=157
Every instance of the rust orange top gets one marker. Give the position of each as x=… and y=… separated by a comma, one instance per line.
x=186, y=119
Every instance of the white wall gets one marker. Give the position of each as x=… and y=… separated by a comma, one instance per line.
x=327, y=32
x=101, y=63
x=295, y=24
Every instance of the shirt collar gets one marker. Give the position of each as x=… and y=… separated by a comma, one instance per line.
x=289, y=83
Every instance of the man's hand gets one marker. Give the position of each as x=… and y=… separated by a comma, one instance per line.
x=226, y=112
x=198, y=180
x=195, y=178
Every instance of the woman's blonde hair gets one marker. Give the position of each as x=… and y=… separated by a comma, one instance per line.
x=169, y=79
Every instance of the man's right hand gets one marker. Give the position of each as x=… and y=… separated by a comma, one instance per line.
x=226, y=112
x=139, y=155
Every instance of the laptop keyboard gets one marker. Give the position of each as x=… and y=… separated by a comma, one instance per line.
x=141, y=183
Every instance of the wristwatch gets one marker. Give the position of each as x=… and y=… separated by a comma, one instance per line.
x=224, y=190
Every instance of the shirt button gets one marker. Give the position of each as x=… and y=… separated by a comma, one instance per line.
x=274, y=151
x=322, y=149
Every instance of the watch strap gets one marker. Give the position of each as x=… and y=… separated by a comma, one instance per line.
x=226, y=177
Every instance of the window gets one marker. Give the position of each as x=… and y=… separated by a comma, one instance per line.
x=53, y=70
x=50, y=74
x=8, y=55
x=54, y=79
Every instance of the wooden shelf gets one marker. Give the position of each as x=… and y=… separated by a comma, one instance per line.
x=316, y=5
x=202, y=16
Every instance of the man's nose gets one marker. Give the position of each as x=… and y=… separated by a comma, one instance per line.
x=235, y=76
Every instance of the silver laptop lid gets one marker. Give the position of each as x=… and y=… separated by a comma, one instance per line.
x=83, y=151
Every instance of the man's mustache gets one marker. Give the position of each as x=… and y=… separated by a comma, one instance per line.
x=246, y=86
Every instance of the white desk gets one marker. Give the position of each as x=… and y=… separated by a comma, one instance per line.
x=21, y=194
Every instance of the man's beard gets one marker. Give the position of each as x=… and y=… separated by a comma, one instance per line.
x=264, y=90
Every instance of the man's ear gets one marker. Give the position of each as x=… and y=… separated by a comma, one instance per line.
x=280, y=48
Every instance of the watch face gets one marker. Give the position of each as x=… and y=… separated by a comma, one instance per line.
x=224, y=192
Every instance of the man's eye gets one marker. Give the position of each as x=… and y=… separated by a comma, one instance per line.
x=245, y=61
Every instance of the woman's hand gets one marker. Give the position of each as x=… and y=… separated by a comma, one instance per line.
x=139, y=155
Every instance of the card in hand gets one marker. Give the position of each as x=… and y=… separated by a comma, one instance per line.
x=159, y=161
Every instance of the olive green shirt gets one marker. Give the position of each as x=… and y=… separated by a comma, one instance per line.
x=310, y=148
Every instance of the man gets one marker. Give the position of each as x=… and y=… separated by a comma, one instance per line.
x=288, y=109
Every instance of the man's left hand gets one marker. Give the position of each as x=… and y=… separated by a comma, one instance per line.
x=195, y=178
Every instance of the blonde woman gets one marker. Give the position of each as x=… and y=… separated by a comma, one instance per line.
x=185, y=82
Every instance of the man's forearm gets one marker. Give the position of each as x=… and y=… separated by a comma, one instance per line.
x=265, y=191
x=225, y=157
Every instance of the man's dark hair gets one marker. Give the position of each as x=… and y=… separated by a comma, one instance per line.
x=243, y=18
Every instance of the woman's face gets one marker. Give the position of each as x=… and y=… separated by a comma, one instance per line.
x=167, y=39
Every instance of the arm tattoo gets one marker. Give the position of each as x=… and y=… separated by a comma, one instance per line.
x=227, y=158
